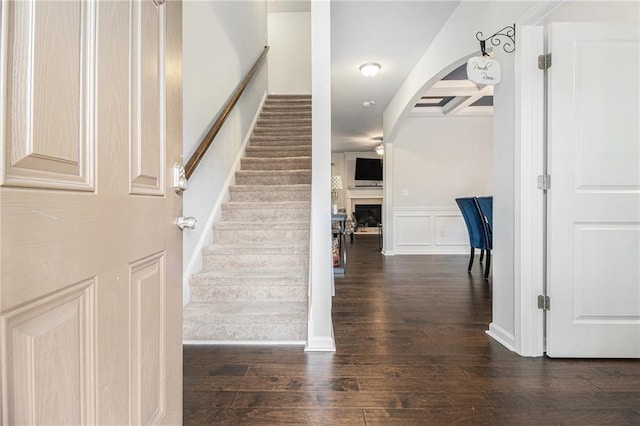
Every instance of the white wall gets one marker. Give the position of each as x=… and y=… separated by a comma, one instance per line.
x=596, y=11
x=435, y=160
x=221, y=41
x=290, y=52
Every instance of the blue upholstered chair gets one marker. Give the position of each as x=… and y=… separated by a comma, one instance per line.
x=486, y=208
x=479, y=233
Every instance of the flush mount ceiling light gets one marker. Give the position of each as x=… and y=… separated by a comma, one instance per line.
x=369, y=69
x=368, y=104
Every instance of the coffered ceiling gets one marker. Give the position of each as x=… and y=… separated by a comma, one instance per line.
x=455, y=95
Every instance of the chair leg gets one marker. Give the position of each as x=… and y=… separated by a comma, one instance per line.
x=481, y=255
x=473, y=252
x=488, y=264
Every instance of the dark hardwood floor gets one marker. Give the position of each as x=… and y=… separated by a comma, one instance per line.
x=411, y=350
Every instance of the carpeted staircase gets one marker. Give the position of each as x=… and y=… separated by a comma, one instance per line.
x=254, y=282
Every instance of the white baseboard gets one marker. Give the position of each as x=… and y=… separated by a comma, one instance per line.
x=195, y=262
x=503, y=337
x=245, y=342
x=431, y=251
x=320, y=345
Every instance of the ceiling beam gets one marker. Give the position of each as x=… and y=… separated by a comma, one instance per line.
x=445, y=88
x=459, y=103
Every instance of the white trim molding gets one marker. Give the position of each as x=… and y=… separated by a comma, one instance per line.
x=429, y=230
x=528, y=200
x=246, y=342
x=529, y=245
x=503, y=337
x=320, y=345
x=388, y=235
x=320, y=326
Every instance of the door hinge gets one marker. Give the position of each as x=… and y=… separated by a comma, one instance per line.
x=544, y=302
x=544, y=182
x=544, y=61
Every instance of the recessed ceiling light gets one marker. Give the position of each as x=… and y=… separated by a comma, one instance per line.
x=368, y=104
x=370, y=69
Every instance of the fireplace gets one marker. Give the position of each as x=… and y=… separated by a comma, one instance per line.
x=368, y=215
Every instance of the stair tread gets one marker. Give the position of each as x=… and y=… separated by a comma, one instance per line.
x=278, y=226
x=283, y=130
x=253, y=273
x=245, y=312
x=292, y=248
x=288, y=138
x=275, y=172
x=284, y=115
x=278, y=160
x=290, y=187
x=279, y=147
x=305, y=118
x=267, y=204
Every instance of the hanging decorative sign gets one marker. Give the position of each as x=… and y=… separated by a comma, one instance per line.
x=484, y=70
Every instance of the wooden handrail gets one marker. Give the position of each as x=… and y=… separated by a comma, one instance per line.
x=206, y=141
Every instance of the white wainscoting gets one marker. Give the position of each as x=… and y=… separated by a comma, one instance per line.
x=429, y=230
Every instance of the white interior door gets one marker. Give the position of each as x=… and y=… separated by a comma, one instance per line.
x=91, y=268
x=594, y=200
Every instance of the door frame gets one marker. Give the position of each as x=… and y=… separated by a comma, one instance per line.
x=529, y=160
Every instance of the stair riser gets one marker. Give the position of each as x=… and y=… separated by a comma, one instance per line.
x=286, y=112
x=255, y=261
x=277, y=153
x=264, y=280
x=252, y=236
x=273, y=180
x=288, y=102
x=247, y=332
x=283, y=122
x=265, y=214
x=244, y=293
x=252, y=164
x=288, y=99
x=283, y=131
x=295, y=106
x=270, y=196
x=285, y=115
x=264, y=141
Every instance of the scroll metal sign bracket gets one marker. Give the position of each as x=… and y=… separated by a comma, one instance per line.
x=506, y=35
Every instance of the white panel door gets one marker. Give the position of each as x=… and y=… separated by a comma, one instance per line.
x=594, y=200
x=91, y=259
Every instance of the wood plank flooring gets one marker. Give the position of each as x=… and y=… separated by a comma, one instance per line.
x=411, y=350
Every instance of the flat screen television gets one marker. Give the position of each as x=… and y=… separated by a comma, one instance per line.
x=368, y=169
